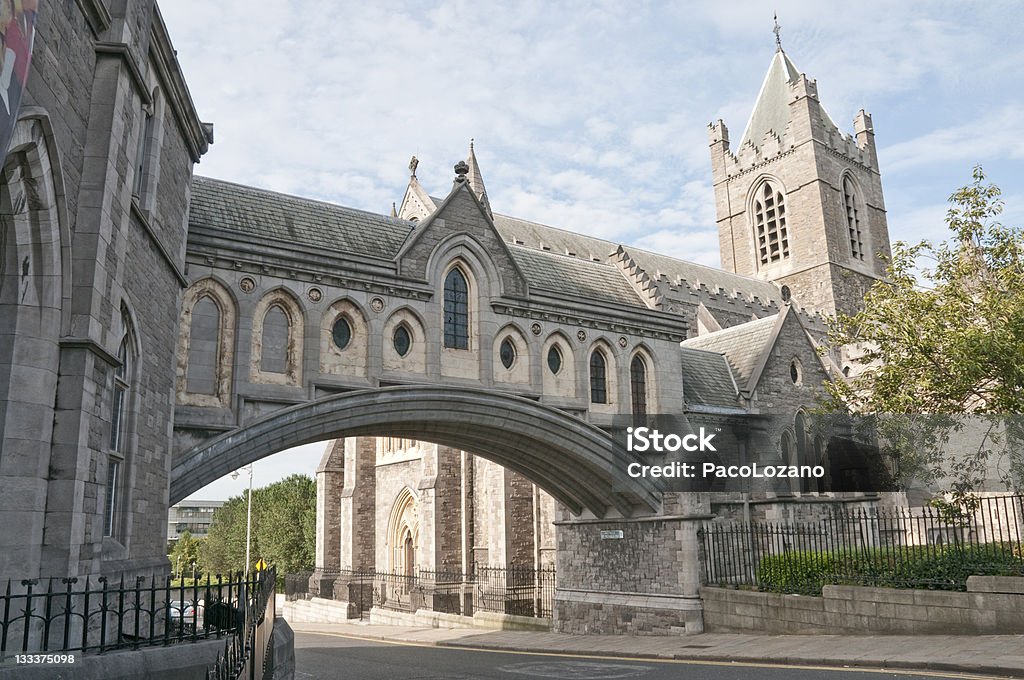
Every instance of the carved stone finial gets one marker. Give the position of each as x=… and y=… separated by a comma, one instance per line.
x=787, y=295
x=461, y=168
x=777, y=31
x=413, y=164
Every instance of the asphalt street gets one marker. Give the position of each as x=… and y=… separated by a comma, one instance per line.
x=333, y=657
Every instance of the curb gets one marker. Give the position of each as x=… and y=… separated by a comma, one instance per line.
x=875, y=664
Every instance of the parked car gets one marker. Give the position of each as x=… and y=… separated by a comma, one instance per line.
x=182, y=616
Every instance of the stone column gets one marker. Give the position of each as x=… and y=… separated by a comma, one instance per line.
x=440, y=536
x=504, y=522
x=330, y=481
x=638, y=575
x=357, y=533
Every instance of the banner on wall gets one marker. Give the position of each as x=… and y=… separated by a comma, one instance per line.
x=17, y=32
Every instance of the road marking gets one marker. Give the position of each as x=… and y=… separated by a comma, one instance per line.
x=690, y=662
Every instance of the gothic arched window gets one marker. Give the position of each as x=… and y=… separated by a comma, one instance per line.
x=120, y=409
x=274, y=352
x=120, y=397
x=598, y=378
x=456, y=310
x=770, y=223
x=638, y=385
x=852, y=219
x=204, y=347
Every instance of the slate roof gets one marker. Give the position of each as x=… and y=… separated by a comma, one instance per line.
x=707, y=379
x=562, y=274
x=541, y=237
x=742, y=345
x=263, y=214
x=537, y=236
x=771, y=111
x=552, y=259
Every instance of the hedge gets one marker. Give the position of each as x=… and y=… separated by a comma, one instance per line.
x=930, y=567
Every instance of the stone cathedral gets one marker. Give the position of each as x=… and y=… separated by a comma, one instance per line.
x=159, y=330
x=801, y=223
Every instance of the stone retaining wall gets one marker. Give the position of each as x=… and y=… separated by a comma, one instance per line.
x=991, y=605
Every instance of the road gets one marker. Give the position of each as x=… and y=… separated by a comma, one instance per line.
x=324, y=656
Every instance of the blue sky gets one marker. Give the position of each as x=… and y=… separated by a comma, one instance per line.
x=591, y=116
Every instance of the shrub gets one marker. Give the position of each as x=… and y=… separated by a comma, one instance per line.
x=932, y=567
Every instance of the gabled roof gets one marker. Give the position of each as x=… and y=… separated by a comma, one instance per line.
x=707, y=380
x=461, y=213
x=771, y=110
x=262, y=214
x=744, y=346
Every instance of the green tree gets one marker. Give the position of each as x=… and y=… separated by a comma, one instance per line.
x=283, y=528
x=224, y=548
x=186, y=551
x=942, y=341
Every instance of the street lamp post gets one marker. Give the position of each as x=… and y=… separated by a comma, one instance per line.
x=248, y=519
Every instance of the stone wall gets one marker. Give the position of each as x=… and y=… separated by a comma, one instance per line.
x=637, y=576
x=105, y=194
x=991, y=605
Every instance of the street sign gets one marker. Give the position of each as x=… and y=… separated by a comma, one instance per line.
x=261, y=565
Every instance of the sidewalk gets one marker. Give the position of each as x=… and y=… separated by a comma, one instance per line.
x=993, y=655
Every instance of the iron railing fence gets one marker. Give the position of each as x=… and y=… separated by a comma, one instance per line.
x=521, y=591
x=249, y=646
x=101, y=615
x=296, y=586
x=518, y=590
x=933, y=547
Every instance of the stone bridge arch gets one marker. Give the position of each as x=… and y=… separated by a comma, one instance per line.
x=579, y=464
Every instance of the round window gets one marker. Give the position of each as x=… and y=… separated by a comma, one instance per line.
x=554, y=359
x=795, y=374
x=507, y=353
x=402, y=340
x=341, y=333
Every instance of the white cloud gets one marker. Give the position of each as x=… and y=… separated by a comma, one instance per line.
x=997, y=135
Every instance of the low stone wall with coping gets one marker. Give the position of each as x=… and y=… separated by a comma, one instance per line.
x=992, y=605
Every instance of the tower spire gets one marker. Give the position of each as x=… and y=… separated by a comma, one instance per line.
x=777, y=31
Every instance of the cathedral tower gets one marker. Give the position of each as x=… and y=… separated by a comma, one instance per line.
x=799, y=203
